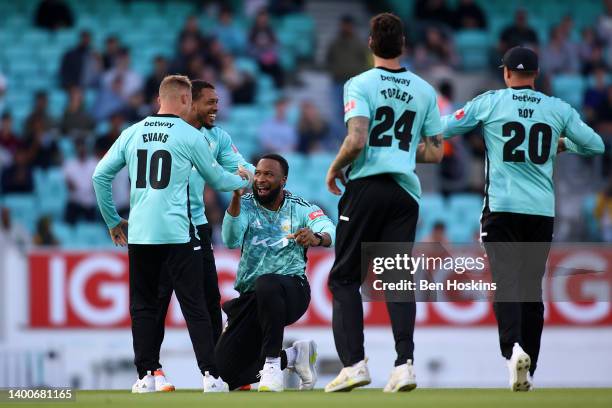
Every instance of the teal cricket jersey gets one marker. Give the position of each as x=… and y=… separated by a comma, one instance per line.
x=160, y=152
x=402, y=108
x=227, y=155
x=521, y=133
x=262, y=235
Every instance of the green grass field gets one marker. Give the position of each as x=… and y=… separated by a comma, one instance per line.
x=370, y=398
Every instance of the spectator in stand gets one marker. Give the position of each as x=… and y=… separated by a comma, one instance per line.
x=313, y=131
x=559, y=56
x=39, y=113
x=8, y=139
x=41, y=145
x=213, y=57
x=112, y=50
x=280, y=8
x=76, y=120
x=189, y=48
x=78, y=172
x=105, y=141
x=160, y=70
x=346, y=57
x=264, y=48
x=231, y=35
x=131, y=82
x=518, y=33
x=240, y=84
x=603, y=116
x=277, y=134
x=437, y=51
x=596, y=59
x=603, y=212
x=17, y=177
x=53, y=15
x=109, y=100
x=79, y=66
x=3, y=86
x=469, y=16
x=44, y=233
x=433, y=11
x=596, y=94
x=12, y=233
x=587, y=42
x=604, y=24
x=192, y=30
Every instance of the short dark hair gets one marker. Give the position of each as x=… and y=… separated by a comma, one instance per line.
x=283, y=162
x=387, y=33
x=197, y=86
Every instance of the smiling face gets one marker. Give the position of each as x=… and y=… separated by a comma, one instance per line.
x=205, y=107
x=269, y=181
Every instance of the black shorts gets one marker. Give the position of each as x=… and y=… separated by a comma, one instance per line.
x=517, y=247
x=372, y=209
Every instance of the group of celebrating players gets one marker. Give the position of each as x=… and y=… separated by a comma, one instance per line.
x=393, y=122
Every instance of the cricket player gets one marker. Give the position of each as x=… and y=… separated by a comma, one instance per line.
x=202, y=116
x=160, y=152
x=522, y=133
x=393, y=122
x=274, y=230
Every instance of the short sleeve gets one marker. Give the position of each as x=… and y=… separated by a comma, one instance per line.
x=432, y=126
x=355, y=101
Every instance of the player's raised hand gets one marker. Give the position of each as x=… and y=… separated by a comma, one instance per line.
x=117, y=233
x=245, y=174
x=330, y=180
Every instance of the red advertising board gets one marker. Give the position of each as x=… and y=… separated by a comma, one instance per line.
x=89, y=290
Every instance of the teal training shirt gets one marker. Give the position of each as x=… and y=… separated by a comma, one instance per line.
x=402, y=108
x=160, y=152
x=521, y=133
x=262, y=235
x=227, y=155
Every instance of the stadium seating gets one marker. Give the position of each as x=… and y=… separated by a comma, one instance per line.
x=473, y=48
x=570, y=88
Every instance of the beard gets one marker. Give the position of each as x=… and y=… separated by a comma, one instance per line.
x=268, y=198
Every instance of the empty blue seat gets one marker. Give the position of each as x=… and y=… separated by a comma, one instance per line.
x=23, y=207
x=52, y=192
x=92, y=234
x=473, y=47
x=432, y=209
x=570, y=88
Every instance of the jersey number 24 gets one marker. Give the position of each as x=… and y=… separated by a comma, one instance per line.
x=402, y=128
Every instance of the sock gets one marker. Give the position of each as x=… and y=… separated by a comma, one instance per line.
x=275, y=361
x=141, y=374
x=291, y=353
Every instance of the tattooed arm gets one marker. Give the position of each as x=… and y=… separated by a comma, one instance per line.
x=353, y=144
x=430, y=150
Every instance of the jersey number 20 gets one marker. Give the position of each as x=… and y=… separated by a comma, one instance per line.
x=537, y=154
x=159, y=158
x=401, y=129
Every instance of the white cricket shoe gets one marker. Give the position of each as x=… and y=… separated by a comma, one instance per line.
x=271, y=379
x=518, y=366
x=144, y=385
x=161, y=382
x=212, y=384
x=351, y=377
x=402, y=378
x=305, y=363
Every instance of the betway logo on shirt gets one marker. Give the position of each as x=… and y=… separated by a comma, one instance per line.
x=270, y=242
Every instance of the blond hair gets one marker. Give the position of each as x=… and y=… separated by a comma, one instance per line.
x=171, y=85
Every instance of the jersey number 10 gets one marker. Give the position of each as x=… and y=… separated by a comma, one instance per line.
x=401, y=129
x=537, y=155
x=159, y=158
